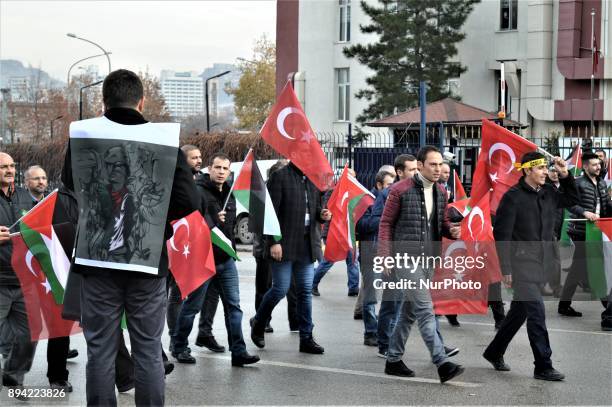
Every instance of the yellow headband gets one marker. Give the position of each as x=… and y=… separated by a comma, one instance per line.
x=530, y=164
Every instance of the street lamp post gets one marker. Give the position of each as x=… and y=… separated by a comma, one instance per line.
x=81, y=97
x=206, y=96
x=51, y=125
x=81, y=60
x=71, y=35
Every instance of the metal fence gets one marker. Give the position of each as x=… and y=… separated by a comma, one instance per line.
x=367, y=153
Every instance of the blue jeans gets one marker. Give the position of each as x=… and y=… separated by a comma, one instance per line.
x=352, y=269
x=179, y=335
x=281, y=279
x=417, y=306
x=368, y=298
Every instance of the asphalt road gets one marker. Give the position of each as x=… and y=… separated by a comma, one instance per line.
x=350, y=373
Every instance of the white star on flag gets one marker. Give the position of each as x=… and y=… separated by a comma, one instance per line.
x=494, y=177
x=307, y=136
x=458, y=276
x=47, y=286
x=186, y=251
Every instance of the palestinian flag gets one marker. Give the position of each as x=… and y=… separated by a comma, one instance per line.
x=43, y=311
x=458, y=190
x=222, y=242
x=348, y=203
x=44, y=242
x=564, y=238
x=250, y=190
x=574, y=161
x=599, y=256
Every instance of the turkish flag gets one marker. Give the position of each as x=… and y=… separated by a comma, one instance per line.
x=44, y=314
x=458, y=190
x=348, y=203
x=477, y=233
x=288, y=132
x=500, y=150
x=190, y=254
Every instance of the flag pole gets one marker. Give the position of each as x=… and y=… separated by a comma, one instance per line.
x=35, y=206
x=592, y=72
x=235, y=178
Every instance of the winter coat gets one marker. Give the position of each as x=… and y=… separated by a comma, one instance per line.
x=523, y=227
x=588, y=195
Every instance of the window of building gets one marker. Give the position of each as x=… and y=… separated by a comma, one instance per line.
x=345, y=20
x=343, y=93
x=454, y=87
x=508, y=14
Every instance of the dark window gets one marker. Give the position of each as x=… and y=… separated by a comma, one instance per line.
x=508, y=14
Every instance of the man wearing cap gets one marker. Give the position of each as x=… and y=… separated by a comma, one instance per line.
x=524, y=232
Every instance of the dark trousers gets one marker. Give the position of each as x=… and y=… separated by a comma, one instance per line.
x=527, y=304
x=577, y=273
x=263, y=282
x=124, y=366
x=57, y=356
x=495, y=302
x=209, y=309
x=103, y=301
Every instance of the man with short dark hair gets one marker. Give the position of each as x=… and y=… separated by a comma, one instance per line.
x=405, y=166
x=524, y=234
x=601, y=154
x=107, y=293
x=593, y=204
x=414, y=217
x=194, y=158
x=14, y=330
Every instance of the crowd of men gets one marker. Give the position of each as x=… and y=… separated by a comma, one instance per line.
x=410, y=206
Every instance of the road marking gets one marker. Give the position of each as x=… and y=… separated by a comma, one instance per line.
x=549, y=329
x=344, y=371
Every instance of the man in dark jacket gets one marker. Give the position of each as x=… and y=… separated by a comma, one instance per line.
x=298, y=206
x=413, y=219
x=524, y=234
x=593, y=204
x=106, y=293
x=216, y=192
x=367, y=229
x=14, y=331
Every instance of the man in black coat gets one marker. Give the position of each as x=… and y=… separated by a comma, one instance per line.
x=593, y=204
x=297, y=203
x=524, y=234
x=106, y=293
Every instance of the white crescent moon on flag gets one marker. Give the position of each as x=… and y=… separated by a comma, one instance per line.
x=280, y=120
x=456, y=245
x=346, y=195
x=506, y=148
x=175, y=227
x=476, y=211
x=28, y=259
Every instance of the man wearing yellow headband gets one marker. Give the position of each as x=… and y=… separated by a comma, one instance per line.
x=524, y=234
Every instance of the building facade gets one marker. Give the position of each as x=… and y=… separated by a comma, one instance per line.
x=545, y=46
x=183, y=92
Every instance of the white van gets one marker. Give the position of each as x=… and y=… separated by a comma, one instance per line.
x=241, y=230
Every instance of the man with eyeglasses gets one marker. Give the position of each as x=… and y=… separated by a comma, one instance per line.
x=17, y=347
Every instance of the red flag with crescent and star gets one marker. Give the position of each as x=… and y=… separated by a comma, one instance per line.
x=500, y=150
x=288, y=132
x=190, y=254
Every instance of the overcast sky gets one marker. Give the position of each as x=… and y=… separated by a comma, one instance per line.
x=183, y=36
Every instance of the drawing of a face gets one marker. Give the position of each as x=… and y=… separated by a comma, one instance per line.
x=116, y=167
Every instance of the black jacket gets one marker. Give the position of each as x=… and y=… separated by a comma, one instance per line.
x=184, y=198
x=367, y=226
x=523, y=227
x=288, y=189
x=12, y=207
x=213, y=199
x=588, y=196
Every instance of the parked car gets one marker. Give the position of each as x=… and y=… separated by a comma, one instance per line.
x=243, y=235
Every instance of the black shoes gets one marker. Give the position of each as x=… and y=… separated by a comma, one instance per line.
x=62, y=385
x=498, y=363
x=358, y=315
x=244, y=359
x=568, y=311
x=398, y=369
x=257, y=333
x=448, y=371
x=168, y=367
x=315, y=291
x=452, y=319
x=450, y=352
x=550, y=375
x=72, y=353
x=127, y=387
x=184, y=357
x=210, y=343
x=268, y=329
x=370, y=340
x=310, y=346
x=354, y=292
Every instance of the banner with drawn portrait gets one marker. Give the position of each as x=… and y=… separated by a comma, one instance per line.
x=122, y=177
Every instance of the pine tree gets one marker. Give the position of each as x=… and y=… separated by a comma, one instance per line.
x=416, y=42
